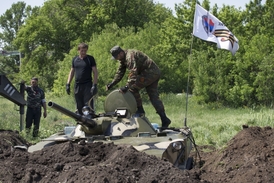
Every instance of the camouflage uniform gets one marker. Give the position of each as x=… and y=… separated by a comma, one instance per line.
x=143, y=73
x=35, y=99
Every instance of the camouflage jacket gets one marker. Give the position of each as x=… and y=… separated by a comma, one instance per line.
x=136, y=62
x=36, y=97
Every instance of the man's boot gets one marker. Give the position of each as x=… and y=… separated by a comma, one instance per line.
x=165, y=120
x=35, y=132
x=27, y=130
x=140, y=111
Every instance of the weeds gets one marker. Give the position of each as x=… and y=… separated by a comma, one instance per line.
x=210, y=125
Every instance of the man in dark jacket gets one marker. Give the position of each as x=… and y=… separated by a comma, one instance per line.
x=143, y=73
x=35, y=100
x=82, y=67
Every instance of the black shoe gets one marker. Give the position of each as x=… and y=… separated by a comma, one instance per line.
x=165, y=120
x=35, y=133
x=140, y=112
x=27, y=130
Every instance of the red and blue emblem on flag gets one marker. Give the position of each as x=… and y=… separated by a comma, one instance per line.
x=208, y=24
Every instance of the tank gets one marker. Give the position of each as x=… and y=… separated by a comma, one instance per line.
x=119, y=124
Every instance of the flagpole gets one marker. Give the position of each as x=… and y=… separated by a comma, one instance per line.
x=188, y=77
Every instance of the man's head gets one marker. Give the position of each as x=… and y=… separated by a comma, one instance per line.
x=117, y=53
x=82, y=49
x=34, y=81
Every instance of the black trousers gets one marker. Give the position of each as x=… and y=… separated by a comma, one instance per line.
x=33, y=116
x=83, y=96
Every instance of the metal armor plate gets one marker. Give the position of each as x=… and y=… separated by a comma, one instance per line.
x=117, y=100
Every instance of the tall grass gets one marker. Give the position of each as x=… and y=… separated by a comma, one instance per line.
x=210, y=124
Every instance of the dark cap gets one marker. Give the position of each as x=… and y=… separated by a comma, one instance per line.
x=115, y=51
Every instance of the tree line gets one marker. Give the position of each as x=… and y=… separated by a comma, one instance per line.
x=47, y=37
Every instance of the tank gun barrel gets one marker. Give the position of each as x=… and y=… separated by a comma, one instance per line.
x=81, y=119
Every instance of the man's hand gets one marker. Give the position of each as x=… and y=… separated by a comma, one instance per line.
x=123, y=89
x=94, y=90
x=109, y=86
x=23, y=82
x=68, y=89
x=45, y=114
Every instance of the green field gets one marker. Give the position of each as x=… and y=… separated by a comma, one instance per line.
x=210, y=124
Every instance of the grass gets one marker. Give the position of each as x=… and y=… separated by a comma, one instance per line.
x=211, y=124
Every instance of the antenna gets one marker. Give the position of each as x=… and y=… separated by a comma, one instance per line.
x=187, y=86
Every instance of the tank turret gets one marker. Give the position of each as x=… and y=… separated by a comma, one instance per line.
x=118, y=119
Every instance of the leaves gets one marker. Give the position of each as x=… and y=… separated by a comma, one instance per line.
x=10, y=23
x=48, y=37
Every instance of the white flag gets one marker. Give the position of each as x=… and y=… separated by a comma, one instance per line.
x=209, y=28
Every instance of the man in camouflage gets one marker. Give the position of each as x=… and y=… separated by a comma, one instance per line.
x=143, y=73
x=35, y=99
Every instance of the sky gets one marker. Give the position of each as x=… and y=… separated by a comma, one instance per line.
x=6, y=4
x=236, y=3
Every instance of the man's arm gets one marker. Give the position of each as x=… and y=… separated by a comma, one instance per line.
x=95, y=74
x=23, y=82
x=71, y=75
x=44, y=104
x=119, y=74
x=45, y=108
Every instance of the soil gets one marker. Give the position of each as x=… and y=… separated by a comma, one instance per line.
x=248, y=157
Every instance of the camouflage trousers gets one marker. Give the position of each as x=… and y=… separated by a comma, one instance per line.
x=149, y=81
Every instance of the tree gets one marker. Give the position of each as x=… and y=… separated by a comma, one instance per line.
x=13, y=19
x=124, y=13
x=214, y=72
x=10, y=23
x=99, y=47
x=263, y=82
x=65, y=23
x=259, y=47
x=253, y=21
x=174, y=48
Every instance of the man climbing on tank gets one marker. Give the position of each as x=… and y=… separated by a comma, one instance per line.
x=143, y=73
x=85, y=88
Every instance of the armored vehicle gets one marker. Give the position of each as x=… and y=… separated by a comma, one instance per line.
x=118, y=124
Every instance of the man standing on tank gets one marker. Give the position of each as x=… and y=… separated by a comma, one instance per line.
x=143, y=73
x=85, y=88
x=35, y=100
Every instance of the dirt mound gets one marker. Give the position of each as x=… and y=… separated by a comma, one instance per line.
x=248, y=157
x=96, y=162
x=9, y=139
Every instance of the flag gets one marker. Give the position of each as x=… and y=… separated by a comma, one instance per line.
x=209, y=28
